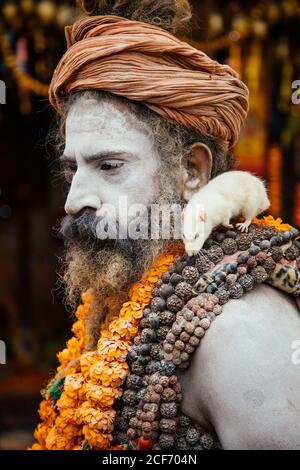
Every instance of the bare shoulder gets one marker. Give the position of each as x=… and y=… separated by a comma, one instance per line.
x=242, y=380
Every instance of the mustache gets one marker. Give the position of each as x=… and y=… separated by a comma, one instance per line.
x=78, y=227
x=82, y=230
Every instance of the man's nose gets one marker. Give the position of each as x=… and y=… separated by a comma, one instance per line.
x=81, y=196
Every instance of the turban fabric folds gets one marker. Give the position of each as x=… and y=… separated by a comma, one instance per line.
x=147, y=64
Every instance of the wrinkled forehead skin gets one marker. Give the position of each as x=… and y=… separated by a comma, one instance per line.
x=101, y=128
x=111, y=126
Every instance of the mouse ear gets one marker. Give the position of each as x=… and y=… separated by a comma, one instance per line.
x=203, y=216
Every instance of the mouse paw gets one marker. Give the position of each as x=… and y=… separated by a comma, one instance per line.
x=244, y=226
x=228, y=225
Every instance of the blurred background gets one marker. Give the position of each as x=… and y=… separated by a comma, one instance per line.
x=260, y=39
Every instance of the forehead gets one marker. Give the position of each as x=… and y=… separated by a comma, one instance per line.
x=92, y=125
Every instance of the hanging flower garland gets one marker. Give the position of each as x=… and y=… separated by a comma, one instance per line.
x=78, y=412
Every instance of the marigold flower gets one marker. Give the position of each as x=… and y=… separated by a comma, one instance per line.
x=72, y=385
x=67, y=415
x=40, y=434
x=96, y=439
x=71, y=352
x=78, y=328
x=110, y=374
x=36, y=447
x=57, y=441
x=103, y=396
x=66, y=402
x=95, y=418
x=271, y=222
x=86, y=361
x=113, y=350
x=47, y=412
x=126, y=329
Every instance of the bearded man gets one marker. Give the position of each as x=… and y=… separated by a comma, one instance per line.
x=148, y=118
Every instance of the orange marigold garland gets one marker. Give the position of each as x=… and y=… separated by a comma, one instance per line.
x=269, y=221
x=77, y=412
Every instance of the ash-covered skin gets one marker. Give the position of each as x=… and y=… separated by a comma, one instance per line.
x=248, y=348
x=109, y=156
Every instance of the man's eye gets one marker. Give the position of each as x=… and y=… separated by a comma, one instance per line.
x=109, y=166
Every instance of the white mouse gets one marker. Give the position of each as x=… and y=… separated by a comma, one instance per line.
x=229, y=195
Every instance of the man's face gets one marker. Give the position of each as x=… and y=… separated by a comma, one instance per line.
x=108, y=155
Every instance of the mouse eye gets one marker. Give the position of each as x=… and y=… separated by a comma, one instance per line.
x=197, y=236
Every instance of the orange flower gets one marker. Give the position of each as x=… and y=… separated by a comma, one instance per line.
x=47, y=412
x=96, y=439
x=57, y=441
x=113, y=350
x=95, y=418
x=103, y=396
x=71, y=352
x=269, y=221
x=40, y=434
x=86, y=361
x=72, y=385
x=125, y=329
x=109, y=374
x=36, y=447
x=93, y=383
x=66, y=415
x=78, y=328
x=66, y=402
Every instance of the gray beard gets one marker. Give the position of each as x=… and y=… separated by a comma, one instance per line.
x=108, y=266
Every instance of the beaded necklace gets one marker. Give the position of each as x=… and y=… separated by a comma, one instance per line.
x=126, y=393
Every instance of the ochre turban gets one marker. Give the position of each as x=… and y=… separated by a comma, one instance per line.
x=145, y=63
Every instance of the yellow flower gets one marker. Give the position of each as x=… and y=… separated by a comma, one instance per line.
x=269, y=221
x=95, y=418
x=110, y=374
x=71, y=352
x=126, y=329
x=73, y=384
x=47, y=412
x=36, y=447
x=57, y=441
x=86, y=361
x=40, y=434
x=96, y=439
x=65, y=402
x=78, y=328
x=103, y=396
x=113, y=350
x=66, y=416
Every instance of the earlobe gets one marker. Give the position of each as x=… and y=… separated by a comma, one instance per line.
x=197, y=163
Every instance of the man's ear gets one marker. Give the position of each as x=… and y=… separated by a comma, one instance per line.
x=197, y=167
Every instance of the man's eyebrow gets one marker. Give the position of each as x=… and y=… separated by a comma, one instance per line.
x=99, y=156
